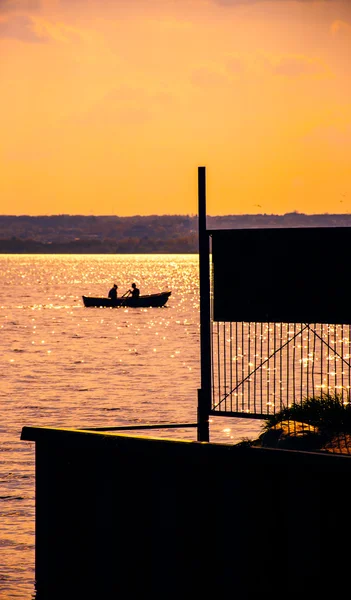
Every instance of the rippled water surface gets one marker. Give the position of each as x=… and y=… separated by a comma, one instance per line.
x=63, y=365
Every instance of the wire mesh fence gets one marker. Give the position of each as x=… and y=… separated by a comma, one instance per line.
x=260, y=368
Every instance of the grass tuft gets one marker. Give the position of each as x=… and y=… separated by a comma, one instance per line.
x=330, y=413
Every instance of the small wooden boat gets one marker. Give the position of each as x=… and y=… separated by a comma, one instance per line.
x=150, y=300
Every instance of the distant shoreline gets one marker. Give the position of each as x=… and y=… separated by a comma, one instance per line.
x=167, y=234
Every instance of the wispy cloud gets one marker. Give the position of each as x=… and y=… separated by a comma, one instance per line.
x=296, y=65
x=331, y=135
x=341, y=27
x=33, y=29
x=251, y=2
x=209, y=76
x=259, y=64
x=58, y=31
x=10, y=6
x=20, y=27
x=125, y=107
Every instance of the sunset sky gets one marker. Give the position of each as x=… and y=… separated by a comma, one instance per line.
x=109, y=106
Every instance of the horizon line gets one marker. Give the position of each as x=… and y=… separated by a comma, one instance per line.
x=189, y=215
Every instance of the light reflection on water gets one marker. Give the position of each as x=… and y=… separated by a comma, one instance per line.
x=69, y=366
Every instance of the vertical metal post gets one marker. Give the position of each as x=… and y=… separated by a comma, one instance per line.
x=204, y=393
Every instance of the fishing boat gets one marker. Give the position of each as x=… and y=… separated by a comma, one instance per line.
x=146, y=301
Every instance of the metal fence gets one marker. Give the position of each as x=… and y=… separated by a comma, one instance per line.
x=260, y=368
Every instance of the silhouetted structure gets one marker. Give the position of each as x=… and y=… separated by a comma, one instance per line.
x=130, y=517
x=275, y=320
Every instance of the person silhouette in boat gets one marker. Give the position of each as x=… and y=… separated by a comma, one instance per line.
x=135, y=292
x=113, y=293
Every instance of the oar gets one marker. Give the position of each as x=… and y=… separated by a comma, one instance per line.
x=125, y=295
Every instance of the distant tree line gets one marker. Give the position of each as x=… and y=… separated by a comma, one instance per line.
x=145, y=245
x=178, y=234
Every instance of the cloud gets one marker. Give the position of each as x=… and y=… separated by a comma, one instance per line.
x=59, y=32
x=208, y=76
x=340, y=27
x=260, y=64
x=235, y=65
x=10, y=6
x=125, y=107
x=296, y=65
x=20, y=27
x=252, y=2
x=257, y=64
x=333, y=135
x=33, y=29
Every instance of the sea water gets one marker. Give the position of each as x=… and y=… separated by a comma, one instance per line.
x=63, y=365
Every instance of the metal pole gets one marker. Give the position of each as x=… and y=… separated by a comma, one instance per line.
x=204, y=393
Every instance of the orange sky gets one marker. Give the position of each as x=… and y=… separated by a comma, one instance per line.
x=109, y=106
